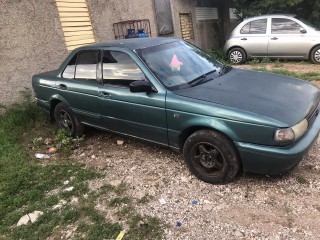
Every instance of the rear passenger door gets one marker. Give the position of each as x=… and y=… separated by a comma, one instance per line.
x=254, y=39
x=79, y=86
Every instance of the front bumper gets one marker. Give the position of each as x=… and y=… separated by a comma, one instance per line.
x=273, y=160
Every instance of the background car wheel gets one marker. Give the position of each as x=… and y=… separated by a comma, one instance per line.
x=67, y=121
x=211, y=157
x=315, y=55
x=237, y=56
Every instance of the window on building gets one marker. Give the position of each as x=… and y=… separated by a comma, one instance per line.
x=118, y=68
x=255, y=27
x=186, y=26
x=87, y=65
x=206, y=13
x=284, y=26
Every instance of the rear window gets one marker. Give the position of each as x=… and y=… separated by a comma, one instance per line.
x=255, y=27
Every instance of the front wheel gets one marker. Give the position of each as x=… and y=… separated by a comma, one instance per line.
x=211, y=157
x=315, y=55
x=67, y=121
x=237, y=56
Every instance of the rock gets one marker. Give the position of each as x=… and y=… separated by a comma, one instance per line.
x=82, y=154
x=74, y=200
x=207, y=207
x=66, y=182
x=30, y=217
x=60, y=204
x=238, y=234
x=162, y=201
x=68, y=234
x=115, y=183
x=93, y=156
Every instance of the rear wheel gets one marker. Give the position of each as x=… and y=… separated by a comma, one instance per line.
x=237, y=56
x=315, y=55
x=211, y=157
x=67, y=121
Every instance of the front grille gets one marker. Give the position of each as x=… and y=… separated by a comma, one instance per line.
x=314, y=112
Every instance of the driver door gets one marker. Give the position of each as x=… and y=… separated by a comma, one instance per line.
x=141, y=114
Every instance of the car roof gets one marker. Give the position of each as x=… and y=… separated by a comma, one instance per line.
x=134, y=43
x=272, y=15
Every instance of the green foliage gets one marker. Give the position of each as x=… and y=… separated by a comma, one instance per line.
x=307, y=9
x=217, y=54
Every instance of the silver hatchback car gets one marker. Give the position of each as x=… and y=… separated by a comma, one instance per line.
x=273, y=36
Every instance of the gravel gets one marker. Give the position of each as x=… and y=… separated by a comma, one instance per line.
x=251, y=207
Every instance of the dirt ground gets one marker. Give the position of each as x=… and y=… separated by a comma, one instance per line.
x=252, y=207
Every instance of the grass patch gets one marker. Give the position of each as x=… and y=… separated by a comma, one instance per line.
x=308, y=76
x=302, y=180
x=28, y=184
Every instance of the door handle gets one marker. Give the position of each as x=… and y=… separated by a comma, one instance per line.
x=243, y=39
x=105, y=94
x=274, y=38
x=63, y=86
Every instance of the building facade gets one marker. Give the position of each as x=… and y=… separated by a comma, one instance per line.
x=35, y=36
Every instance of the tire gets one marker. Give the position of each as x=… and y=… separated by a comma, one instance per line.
x=315, y=55
x=237, y=56
x=67, y=121
x=211, y=157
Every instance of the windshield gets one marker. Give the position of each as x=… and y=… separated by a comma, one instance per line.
x=178, y=64
x=309, y=24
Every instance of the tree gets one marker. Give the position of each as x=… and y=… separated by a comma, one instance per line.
x=306, y=9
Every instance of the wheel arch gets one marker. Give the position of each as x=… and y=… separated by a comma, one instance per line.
x=192, y=129
x=317, y=45
x=233, y=47
x=54, y=101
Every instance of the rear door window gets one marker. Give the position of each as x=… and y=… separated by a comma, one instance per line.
x=86, y=68
x=255, y=27
x=82, y=66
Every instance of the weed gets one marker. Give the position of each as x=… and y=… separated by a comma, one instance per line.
x=145, y=199
x=254, y=61
x=277, y=64
x=121, y=188
x=217, y=54
x=302, y=180
x=25, y=184
x=119, y=201
x=265, y=60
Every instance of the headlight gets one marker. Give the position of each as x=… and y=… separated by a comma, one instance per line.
x=287, y=135
x=284, y=135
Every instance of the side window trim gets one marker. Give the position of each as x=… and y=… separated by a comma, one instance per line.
x=85, y=79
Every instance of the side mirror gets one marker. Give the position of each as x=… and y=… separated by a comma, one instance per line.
x=302, y=30
x=140, y=86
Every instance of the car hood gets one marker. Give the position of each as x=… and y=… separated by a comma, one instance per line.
x=275, y=96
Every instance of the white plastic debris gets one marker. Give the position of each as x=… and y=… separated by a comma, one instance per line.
x=69, y=189
x=30, y=217
x=42, y=156
x=66, y=182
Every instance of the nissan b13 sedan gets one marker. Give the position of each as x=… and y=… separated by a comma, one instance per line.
x=171, y=93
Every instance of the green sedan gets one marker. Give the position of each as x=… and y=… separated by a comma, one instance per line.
x=171, y=93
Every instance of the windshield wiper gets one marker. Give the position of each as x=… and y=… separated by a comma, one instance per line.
x=201, y=78
x=225, y=68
